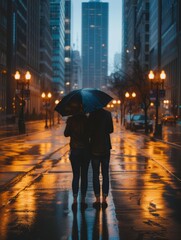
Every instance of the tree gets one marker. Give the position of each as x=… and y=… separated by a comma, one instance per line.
x=141, y=82
x=134, y=79
x=119, y=84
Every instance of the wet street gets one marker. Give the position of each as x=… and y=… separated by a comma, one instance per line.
x=145, y=189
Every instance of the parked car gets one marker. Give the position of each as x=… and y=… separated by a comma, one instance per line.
x=138, y=122
x=168, y=118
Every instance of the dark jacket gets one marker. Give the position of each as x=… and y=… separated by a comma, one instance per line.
x=77, y=129
x=100, y=127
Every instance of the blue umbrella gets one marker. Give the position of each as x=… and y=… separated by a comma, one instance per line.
x=82, y=100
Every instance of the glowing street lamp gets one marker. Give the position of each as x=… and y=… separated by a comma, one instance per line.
x=46, y=101
x=23, y=83
x=130, y=96
x=58, y=116
x=157, y=83
x=67, y=86
x=116, y=103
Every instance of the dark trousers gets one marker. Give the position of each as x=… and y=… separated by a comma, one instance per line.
x=80, y=160
x=103, y=162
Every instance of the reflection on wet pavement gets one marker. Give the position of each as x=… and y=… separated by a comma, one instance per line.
x=144, y=201
x=145, y=190
x=41, y=208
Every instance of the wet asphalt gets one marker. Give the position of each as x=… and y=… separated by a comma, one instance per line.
x=145, y=188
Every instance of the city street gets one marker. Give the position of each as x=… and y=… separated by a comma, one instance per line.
x=36, y=196
x=63, y=58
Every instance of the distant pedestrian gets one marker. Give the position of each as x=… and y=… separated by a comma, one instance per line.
x=100, y=127
x=77, y=130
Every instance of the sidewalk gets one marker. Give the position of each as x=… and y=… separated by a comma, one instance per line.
x=24, y=149
x=10, y=130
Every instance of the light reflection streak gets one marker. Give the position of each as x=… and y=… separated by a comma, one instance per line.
x=4, y=216
x=26, y=207
x=150, y=186
x=45, y=147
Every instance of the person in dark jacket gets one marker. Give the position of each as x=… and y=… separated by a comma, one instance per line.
x=100, y=127
x=77, y=129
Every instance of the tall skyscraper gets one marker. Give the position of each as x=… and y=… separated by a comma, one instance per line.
x=94, y=43
x=129, y=34
x=68, y=61
x=57, y=15
x=76, y=70
x=141, y=46
x=46, y=47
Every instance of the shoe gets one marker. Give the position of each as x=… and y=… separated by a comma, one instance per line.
x=74, y=207
x=96, y=205
x=83, y=205
x=104, y=205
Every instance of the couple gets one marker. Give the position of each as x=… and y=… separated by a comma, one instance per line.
x=90, y=141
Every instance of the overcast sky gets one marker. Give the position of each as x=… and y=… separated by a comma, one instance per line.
x=115, y=25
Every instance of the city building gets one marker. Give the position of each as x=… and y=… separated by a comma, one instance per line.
x=142, y=33
x=32, y=62
x=151, y=35
x=46, y=47
x=129, y=8
x=171, y=60
x=94, y=43
x=67, y=59
x=30, y=41
x=124, y=34
x=22, y=55
x=76, y=70
x=3, y=59
x=165, y=45
x=57, y=26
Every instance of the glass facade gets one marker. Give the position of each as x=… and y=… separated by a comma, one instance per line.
x=45, y=47
x=57, y=15
x=142, y=33
x=94, y=43
x=170, y=59
x=67, y=59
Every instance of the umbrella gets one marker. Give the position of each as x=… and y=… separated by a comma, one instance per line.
x=86, y=100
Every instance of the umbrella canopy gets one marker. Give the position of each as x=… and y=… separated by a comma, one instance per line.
x=86, y=100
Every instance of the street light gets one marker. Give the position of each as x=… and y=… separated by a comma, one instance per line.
x=157, y=83
x=130, y=96
x=67, y=84
x=58, y=116
x=46, y=102
x=116, y=104
x=24, y=93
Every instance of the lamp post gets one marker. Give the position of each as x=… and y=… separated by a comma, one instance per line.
x=67, y=84
x=157, y=83
x=130, y=96
x=58, y=116
x=24, y=92
x=46, y=102
x=116, y=104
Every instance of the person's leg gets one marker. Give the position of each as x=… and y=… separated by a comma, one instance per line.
x=75, y=163
x=96, y=182
x=84, y=175
x=105, y=175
